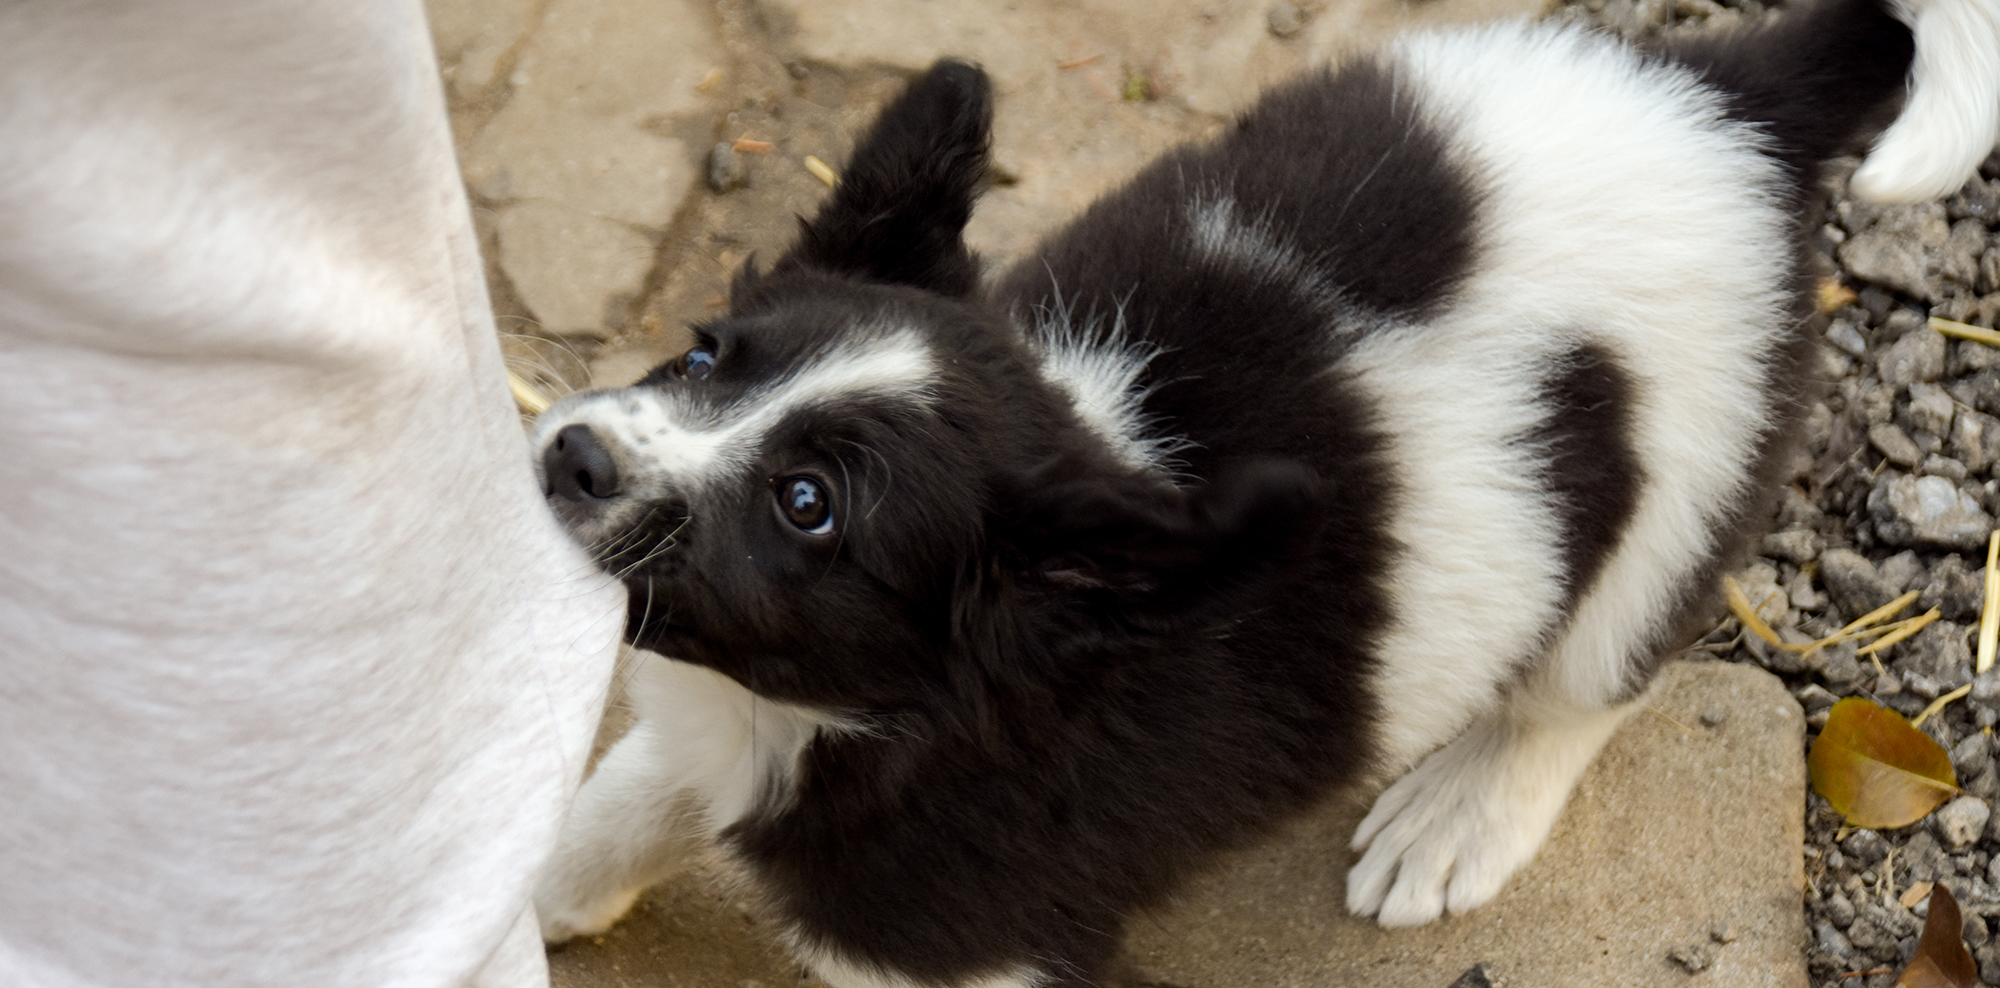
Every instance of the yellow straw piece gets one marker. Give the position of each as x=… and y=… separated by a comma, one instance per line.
x=1886, y=610
x=1965, y=332
x=1989, y=614
x=822, y=171
x=1938, y=704
x=1739, y=605
x=525, y=395
x=1897, y=632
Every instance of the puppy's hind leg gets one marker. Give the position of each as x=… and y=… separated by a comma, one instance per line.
x=703, y=750
x=629, y=828
x=1450, y=833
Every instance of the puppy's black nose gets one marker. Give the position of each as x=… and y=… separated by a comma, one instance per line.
x=578, y=467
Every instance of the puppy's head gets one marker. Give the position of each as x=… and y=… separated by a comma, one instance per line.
x=856, y=487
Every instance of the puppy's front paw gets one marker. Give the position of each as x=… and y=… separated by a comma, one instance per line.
x=1452, y=832
x=1441, y=837
x=567, y=912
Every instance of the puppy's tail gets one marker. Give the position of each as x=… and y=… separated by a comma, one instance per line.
x=1823, y=76
x=1952, y=118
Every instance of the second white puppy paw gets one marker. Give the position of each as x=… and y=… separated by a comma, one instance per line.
x=1448, y=835
x=566, y=912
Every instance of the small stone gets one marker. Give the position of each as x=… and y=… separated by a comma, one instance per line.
x=1975, y=931
x=1713, y=716
x=1960, y=822
x=1794, y=545
x=1856, y=584
x=1954, y=589
x=1986, y=689
x=1967, y=357
x=1960, y=263
x=1878, y=405
x=1905, y=248
x=1989, y=962
x=1931, y=408
x=1977, y=200
x=1972, y=755
x=1901, y=570
x=1894, y=444
x=1871, y=939
x=1848, y=339
x=1916, y=358
x=1801, y=591
x=1721, y=932
x=1938, y=653
x=1865, y=846
x=1813, y=698
x=1968, y=440
x=1842, y=666
x=1981, y=390
x=1285, y=20
x=1832, y=942
x=1839, y=909
x=726, y=170
x=1796, y=510
x=1928, y=511
x=1943, y=466
x=1693, y=958
x=1479, y=975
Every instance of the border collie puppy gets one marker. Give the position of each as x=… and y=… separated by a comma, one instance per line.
x=1400, y=431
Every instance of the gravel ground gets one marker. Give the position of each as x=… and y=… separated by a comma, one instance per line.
x=1898, y=491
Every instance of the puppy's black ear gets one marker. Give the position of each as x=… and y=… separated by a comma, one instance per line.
x=899, y=210
x=1165, y=557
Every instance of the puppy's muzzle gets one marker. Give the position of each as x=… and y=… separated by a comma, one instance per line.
x=576, y=466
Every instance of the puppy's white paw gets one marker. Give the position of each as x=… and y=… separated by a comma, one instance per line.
x=1449, y=835
x=571, y=912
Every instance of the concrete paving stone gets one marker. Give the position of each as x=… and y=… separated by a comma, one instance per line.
x=473, y=37
x=576, y=270
x=1676, y=828
x=603, y=117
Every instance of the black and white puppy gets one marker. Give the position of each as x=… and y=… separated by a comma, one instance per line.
x=1399, y=431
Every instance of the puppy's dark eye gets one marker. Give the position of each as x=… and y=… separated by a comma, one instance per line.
x=805, y=504
x=697, y=363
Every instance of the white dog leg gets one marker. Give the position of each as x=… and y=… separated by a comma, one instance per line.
x=628, y=829
x=703, y=752
x=1450, y=833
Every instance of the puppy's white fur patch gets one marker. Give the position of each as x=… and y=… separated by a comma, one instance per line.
x=1953, y=115
x=1692, y=318
x=1221, y=235
x=1100, y=370
x=704, y=752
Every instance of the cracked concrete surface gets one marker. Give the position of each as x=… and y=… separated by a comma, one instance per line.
x=584, y=129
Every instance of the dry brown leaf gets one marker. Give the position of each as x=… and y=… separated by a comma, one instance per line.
x=1941, y=960
x=1876, y=769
